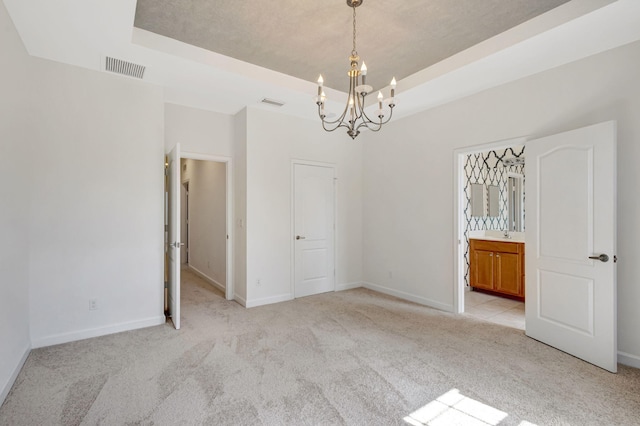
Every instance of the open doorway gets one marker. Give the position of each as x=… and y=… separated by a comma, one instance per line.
x=489, y=213
x=203, y=220
x=175, y=240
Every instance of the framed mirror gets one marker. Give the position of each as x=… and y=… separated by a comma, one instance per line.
x=515, y=202
x=477, y=199
x=493, y=194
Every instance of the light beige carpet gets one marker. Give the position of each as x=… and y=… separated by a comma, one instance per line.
x=353, y=357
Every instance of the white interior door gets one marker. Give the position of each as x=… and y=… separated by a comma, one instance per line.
x=174, y=236
x=570, y=215
x=314, y=201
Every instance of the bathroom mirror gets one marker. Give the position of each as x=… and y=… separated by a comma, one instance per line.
x=515, y=210
x=477, y=199
x=493, y=193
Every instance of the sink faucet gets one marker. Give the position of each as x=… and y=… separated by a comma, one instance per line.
x=505, y=233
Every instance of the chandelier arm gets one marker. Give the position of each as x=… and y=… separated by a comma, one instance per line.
x=366, y=118
x=332, y=129
x=353, y=82
x=339, y=120
x=371, y=125
x=367, y=121
x=378, y=124
x=381, y=122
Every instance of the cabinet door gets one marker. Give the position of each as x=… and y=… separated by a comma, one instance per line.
x=508, y=274
x=482, y=269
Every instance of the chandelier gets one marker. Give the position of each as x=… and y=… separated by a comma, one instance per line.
x=354, y=117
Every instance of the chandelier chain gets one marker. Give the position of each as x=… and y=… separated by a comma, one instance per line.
x=354, y=52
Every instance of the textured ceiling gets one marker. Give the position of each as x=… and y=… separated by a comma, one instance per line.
x=306, y=38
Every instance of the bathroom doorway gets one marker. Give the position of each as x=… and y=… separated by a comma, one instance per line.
x=489, y=207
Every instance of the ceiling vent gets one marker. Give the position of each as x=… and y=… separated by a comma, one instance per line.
x=272, y=102
x=129, y=69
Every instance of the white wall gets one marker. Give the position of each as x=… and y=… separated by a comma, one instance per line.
x=207, y=219
x=96, y=221
x=273, y=141
x=408, y=191
x=240, y=207
x=15, y=147
x=198, y=131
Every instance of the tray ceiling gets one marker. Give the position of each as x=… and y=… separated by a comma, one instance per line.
x=305, y=38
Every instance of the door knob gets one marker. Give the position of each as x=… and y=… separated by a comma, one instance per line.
x=298, y=237
x=601, y=258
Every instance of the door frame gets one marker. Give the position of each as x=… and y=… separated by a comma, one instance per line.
x=186, y=218
x=229, y=288
x=334, y=167
x=459, y=225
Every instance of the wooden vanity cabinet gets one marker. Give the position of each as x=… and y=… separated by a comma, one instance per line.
x=497, y=267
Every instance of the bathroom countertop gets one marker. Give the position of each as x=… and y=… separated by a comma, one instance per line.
x=515, y=237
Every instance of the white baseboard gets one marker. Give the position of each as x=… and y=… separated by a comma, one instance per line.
x=348, y=286
x=96, y=332
x=628, y=359
x=267, y=300
x=408, y=296
x=207, y=278
x=7, y=387
x=240, y=300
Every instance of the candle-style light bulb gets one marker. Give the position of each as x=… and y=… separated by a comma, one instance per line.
x=320, y=83
x=323, y=97
x=393, y=87
x=363, y=72
x=380, y=97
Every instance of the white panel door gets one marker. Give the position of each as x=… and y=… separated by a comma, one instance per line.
x=570, y=222
x=174, y=236
x=314, y=200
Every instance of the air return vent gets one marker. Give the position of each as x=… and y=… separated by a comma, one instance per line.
x=129, y=69
x=272, y=102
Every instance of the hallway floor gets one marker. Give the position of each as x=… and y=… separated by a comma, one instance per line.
x=494, y=309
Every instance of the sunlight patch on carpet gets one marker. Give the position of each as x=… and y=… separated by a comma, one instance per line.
x=455, y=408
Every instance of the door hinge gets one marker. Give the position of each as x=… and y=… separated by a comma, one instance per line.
x=615, y=259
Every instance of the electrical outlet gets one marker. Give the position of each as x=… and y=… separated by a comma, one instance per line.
x=258, y=283
x=93, y=304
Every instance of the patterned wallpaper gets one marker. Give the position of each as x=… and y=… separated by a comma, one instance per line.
x=488, y=168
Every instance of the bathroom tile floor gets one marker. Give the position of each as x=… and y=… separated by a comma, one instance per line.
x=494, y=309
